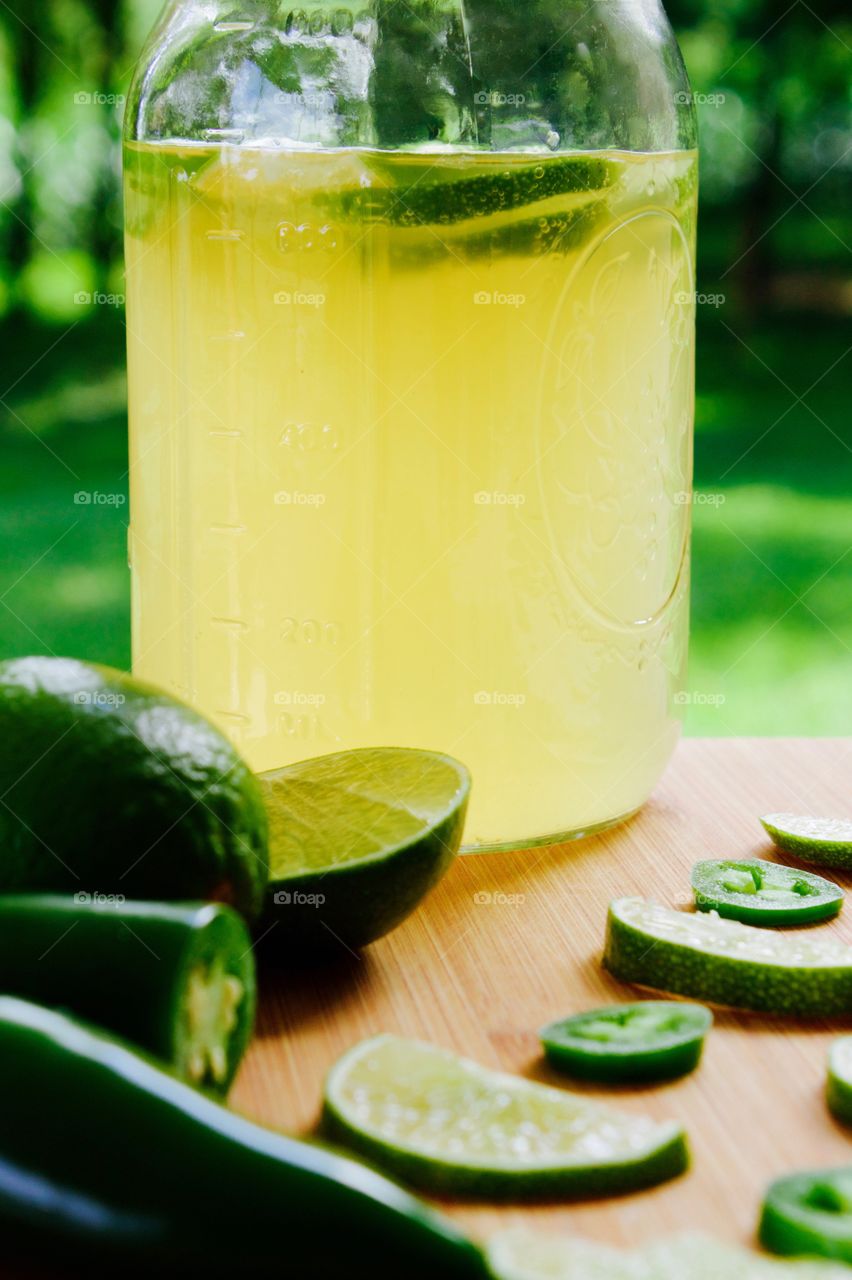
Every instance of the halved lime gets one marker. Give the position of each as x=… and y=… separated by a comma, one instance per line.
x=827, y=842
x=523, y=1254
x=356, y=840
x=839, y=1084
x=446, y=1124
x=764, y=893
x=708, y=958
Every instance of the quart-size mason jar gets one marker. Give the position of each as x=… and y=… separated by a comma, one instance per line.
x=410, y=315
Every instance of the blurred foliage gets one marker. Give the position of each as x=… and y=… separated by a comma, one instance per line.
x=772, y=632
x=775, y=105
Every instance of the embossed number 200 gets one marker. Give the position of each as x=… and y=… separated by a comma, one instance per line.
x=310, y=631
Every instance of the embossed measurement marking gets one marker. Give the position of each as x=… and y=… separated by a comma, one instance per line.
x=231, y=624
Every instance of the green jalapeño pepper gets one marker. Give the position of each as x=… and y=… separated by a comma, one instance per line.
x=176, y=979
x=764, y=893
x=649, y=1040
x=810, y=1213
x=107, y=1159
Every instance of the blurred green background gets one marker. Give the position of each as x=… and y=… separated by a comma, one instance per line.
x=772, y=623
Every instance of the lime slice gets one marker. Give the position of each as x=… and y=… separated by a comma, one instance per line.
x=356, y=840
x=522, y=1254
x=824, y=841
x=810, y=1213
x=694, y=1257
x=431, y=190
x=839, y=1085
x=708, y=958
x=445, y=1124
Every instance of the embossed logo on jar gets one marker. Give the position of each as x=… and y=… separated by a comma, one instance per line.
x=615, y=420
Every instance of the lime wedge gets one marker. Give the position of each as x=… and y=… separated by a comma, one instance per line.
x=522, y=1254
x=447, y=1125
x=708, y=958
x=827, y=842
x=839, y=1085
x=356, y=840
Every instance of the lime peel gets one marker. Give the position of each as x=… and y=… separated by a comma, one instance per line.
x=839, y=1083
x=707, y=958
x=824, y=841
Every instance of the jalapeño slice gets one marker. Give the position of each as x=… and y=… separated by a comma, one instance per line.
x=764, y=893
x=810, y=1213
x=645, y=1041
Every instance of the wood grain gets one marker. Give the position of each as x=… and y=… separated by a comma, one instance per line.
x=510, y=941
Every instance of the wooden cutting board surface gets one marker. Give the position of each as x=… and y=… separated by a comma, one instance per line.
x=508, y=942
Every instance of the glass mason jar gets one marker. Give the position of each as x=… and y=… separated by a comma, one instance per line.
x=410, y=316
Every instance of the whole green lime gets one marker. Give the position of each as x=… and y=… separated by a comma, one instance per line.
x=108, y=785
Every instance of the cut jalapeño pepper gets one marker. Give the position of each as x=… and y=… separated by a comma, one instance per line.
x=645, y=1041
x=764, y=893
x=176, y=979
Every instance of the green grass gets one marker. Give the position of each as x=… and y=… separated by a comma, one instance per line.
x=772, y=631
x=63, y=426
x=772, y=578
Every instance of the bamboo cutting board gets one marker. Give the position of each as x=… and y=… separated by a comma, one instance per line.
x=508, y=942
